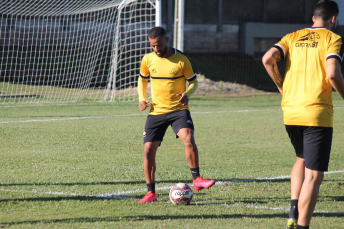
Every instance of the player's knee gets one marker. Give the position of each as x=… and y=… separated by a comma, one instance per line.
x=315, y=177
x=188, y=140
x=148, y=152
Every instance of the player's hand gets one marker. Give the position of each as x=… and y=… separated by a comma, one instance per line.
x=184, y=99
x=143, y=105
x=281, y=90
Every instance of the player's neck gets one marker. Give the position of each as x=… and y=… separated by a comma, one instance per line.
x=322, y=24
x=169, y=52
x=319, y=24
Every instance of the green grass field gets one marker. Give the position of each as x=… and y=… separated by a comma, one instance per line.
x=79, y=165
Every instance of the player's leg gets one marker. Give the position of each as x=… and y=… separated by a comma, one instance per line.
x=191, y=151
x=191, y=154
x=149, y=165
x=308, y=196
x=182, y=125
x=317, y=148
x=295, y=134
x=149, y=168
x=296, y=181
x=297, y=178
x=153, y=134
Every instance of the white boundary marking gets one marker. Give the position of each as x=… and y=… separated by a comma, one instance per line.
x=119, y=195
x=131, y=115
x=124, y=115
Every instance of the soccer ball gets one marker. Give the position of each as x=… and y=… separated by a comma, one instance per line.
x=181, y=193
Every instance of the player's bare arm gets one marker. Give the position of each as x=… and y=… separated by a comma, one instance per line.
x=270, y=60
x=334, y=74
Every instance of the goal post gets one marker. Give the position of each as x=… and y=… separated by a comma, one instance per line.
x=70, y=50
x=158, y=10
x=178, y=39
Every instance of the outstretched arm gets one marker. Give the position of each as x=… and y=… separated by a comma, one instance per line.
x=334, y=74
x=270, y=60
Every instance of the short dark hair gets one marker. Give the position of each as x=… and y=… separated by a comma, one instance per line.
x=325, y=9
x=156, y=32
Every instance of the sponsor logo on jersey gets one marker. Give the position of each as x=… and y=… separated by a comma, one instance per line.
x=154, y=70
x=308, y=41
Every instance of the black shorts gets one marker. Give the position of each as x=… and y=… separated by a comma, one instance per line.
x=156, y=125
x=313, y=143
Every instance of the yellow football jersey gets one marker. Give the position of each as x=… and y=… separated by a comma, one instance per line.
x=168, y=77
x=307, y=91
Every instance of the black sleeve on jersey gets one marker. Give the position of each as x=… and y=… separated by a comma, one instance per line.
x=280, y=50
x=341, y=52
x=145, y=77
x=335, y=56
x=192, y=78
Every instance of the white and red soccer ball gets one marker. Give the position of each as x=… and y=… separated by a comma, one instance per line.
x=181, y=193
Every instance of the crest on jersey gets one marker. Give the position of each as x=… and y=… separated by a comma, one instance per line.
x=173, y=71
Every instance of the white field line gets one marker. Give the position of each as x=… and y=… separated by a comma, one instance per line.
x=131, y=115
x=120, y=194
x=70, y=118
x=104, y=196
x=111, y=196
x=113, y=116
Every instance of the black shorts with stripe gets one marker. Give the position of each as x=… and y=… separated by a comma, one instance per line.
x=156, y=125
x=313, y=143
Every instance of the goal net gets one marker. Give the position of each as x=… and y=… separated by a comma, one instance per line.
x=56, y=51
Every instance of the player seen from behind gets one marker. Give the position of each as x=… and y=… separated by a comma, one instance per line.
x=313, y=66
x=168, y=70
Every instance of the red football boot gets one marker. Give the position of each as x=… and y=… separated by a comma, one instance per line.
x=149, y=197
x=201, y=183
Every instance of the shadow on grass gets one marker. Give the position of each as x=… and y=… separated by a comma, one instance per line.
x=63, y=198
x=232, y=180
x=161, y=217
x=331, y=198
x=74, y=184
x=96, y=183
x=81, y=198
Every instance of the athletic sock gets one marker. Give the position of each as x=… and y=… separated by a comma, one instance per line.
x=294, y=212
x=302, y=227
x=195, y=172
x=151, y=187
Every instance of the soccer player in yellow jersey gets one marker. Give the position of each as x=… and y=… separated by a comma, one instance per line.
x=313, y=66
x=168, y=70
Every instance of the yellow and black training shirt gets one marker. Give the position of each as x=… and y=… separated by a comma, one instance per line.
x=307, y=91
x=168, y=77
